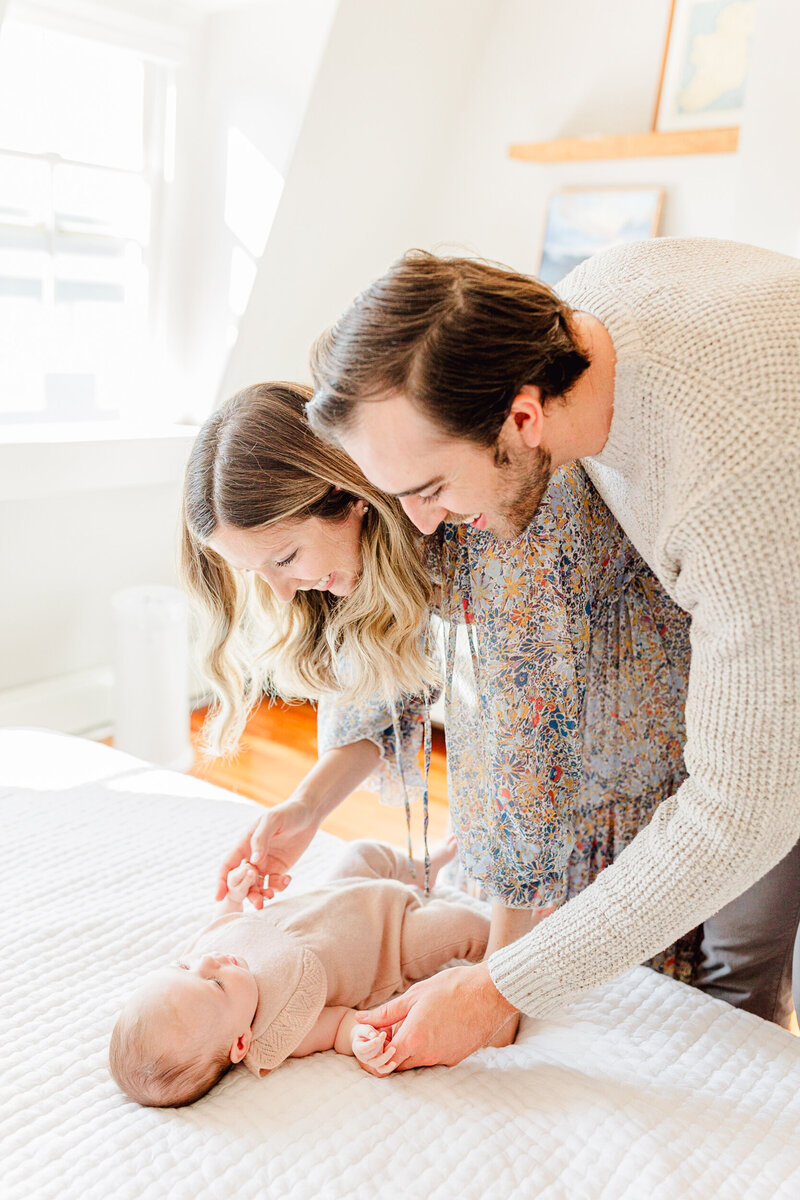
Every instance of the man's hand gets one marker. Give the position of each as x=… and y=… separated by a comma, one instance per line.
x=272, y=845
x=369, y=1047
x=446, y=1018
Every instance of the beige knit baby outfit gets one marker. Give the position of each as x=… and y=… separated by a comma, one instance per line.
x=702, y=470
x=355, y=941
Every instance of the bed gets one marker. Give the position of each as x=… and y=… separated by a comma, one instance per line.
x=641, y=1089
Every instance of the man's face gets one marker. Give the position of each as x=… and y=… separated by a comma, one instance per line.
x=441, y=478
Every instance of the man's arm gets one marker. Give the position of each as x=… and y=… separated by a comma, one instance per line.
x=733, y=819
x=737, y=814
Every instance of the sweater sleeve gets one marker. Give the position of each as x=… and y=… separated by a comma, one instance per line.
x=738, y=813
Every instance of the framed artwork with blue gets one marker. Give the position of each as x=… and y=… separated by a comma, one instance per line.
x=704, y=67
x=581, y=221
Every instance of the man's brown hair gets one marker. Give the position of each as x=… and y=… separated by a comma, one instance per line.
x=458, y=337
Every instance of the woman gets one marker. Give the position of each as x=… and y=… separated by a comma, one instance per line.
x=565, y=663
x=297, y=565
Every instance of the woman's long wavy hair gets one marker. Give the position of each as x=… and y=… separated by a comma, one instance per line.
x=257, y=462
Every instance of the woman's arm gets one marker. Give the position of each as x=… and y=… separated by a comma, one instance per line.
x=395, y=731
x=334, y=776
x=352, y=739
x=276, y=841
x=507, y=925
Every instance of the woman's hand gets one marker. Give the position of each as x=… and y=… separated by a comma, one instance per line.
x=272, y=846
x=275, y=843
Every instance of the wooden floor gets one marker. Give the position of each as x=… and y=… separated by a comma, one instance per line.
x=279, y=747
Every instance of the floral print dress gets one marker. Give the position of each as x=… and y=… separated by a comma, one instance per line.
x=565, y=675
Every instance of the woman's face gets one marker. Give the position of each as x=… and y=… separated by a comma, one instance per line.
x=298, y=556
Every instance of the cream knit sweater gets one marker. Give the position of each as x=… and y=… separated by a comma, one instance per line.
x=702, y=470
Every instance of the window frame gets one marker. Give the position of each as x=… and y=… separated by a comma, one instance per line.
x=160, y=42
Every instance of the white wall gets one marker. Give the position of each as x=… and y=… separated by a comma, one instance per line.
x=400, y=140
x=556, y=70
x=405, y=142
x=81, y=520
x=78, y=521
x=768, y=162
x=251, y=68
x=579, y=68
x=386, y=104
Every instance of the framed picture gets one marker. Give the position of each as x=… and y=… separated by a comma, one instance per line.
x=704, y=67
x=581, y=221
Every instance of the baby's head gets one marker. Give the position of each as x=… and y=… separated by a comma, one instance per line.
x=183, y=1028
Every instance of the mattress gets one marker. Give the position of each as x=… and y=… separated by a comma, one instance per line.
x=640, y=1089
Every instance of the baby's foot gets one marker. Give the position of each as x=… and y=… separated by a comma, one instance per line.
x=441, y=854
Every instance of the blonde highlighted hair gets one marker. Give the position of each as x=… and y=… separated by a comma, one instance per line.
x=256, y=462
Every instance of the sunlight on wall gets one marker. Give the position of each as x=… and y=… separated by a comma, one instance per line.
x=243, y=276
x=253, y=190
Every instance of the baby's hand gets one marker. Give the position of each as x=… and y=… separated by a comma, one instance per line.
x=241, y=879
x=369, y=1048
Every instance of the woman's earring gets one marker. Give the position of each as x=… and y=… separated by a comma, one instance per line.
x=364, y=507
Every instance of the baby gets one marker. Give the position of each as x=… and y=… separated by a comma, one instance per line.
x=260, y=987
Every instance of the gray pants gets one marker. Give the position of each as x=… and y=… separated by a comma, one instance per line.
x=748, y=947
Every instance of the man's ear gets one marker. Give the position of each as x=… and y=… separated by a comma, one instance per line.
x=240, y=1047
x=525, y=420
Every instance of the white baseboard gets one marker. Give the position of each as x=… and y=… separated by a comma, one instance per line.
x=76, y=703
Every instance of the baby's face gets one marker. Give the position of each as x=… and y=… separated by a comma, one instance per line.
x=213, y=996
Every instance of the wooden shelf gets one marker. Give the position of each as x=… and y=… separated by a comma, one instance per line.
x=629, y=145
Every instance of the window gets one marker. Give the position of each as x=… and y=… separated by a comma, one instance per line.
x=84, y=139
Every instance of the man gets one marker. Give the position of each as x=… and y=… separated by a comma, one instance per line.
x=671, y=368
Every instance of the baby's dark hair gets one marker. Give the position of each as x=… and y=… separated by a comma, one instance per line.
x=153, y=1078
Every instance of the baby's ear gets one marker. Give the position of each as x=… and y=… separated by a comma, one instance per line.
x=240, y=1047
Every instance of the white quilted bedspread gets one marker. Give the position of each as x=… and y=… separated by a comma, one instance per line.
x=643, y=1089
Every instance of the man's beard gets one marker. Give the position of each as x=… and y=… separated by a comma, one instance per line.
x=524, y=483
x=526, y=480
